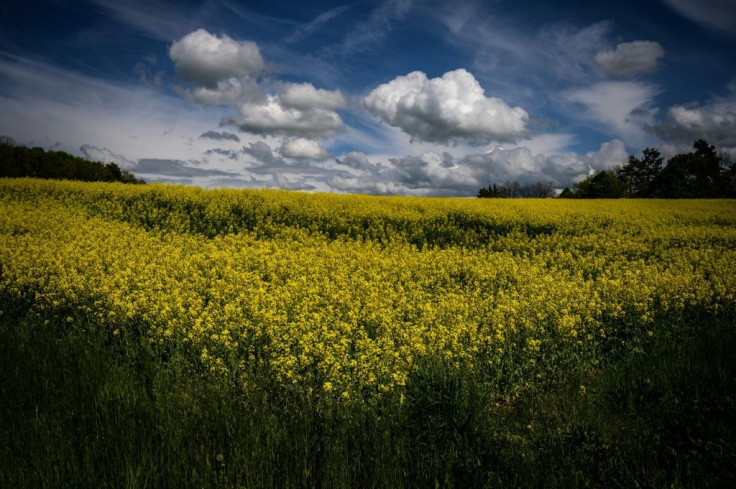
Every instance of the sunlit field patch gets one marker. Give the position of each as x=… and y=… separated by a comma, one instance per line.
x=342, y=295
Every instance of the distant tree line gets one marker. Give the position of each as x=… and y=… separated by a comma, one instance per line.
x=513, y=189
x=20, y=161
x=702, y=173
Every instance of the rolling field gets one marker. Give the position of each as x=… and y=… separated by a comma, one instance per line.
x=160, y=336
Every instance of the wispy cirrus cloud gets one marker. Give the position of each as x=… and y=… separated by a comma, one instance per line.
x=375, y=28
x=625, y=107
x=715, y=14
x=313, y=26
x=529, y=59
x=45, y=102
x=155, y=18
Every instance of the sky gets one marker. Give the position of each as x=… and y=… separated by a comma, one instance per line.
x=409, y=97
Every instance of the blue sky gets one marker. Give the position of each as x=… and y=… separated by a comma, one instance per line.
x=389, y=97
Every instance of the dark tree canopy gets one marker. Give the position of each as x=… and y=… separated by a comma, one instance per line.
x=638, y=174
x=703, y=173
x=602, y=185
x=513, y=189
x=20, y=161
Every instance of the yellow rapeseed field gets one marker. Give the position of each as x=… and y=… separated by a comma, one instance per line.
x=342, y=296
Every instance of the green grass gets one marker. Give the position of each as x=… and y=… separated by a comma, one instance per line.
x=79, y=411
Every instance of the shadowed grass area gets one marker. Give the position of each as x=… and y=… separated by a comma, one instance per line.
x=77, y=411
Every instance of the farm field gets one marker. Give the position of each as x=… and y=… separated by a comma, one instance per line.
x=162, y=336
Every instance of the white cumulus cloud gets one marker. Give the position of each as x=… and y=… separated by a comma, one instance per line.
x=272, y=118
x=630, y=58
x=452, y=107
x=303, y=148
x=226, y=92
x=304, y=96
x=206, y=59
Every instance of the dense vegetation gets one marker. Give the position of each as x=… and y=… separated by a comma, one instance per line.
x=513, y=189
x=20, y=161
x=157, y=336
x=703, y=173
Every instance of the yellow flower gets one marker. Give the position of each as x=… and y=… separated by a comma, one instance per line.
x=351, y=293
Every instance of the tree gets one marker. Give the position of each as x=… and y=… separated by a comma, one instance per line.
x=706, y=168
x=727, y=180
x=676, y=180
x=488, y=192
x=638, y=174
x=19, y=161
x=513, y=189
x=538, y=190
x=602, y=185
x=700, y=174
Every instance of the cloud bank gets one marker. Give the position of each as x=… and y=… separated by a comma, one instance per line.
x=714, y=121
x=438, y=174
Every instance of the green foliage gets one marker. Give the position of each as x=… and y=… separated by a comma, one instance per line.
x=678, y=180
x=510, y=190
x=700, y=174
x=602, y=185
x=77, y=411
x=638, y=174
x=19, y=161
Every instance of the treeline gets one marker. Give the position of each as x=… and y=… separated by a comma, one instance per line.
x=513, y=189
x=20, y=161
x=702, y=173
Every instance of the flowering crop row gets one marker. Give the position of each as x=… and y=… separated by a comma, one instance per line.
x=342, y=296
